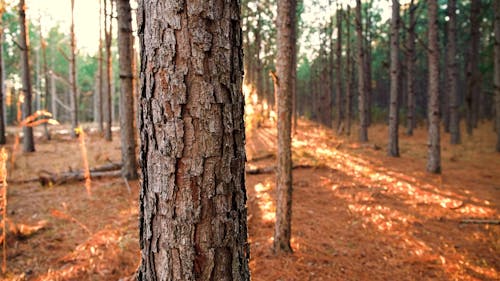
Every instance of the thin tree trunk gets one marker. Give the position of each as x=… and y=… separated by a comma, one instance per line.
x=125, y=39
x=100, y=80
x=72, y=77
x=363, y=113
x=452, y=74
x=107, y=104
x=368, y=65
x=193, y=218
x=348, y=90
x=2, y=98
x=338, y=84
x=472, y=68
x=43, y=45
x=28, y=142
x=410, y=70
x=497, y=69
x=285, y=69
x=53, y=94
x=434, y=158
x=393, y=146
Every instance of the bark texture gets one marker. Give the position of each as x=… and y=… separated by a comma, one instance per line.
x=193, y=217
x=410, y=70
x=106, y=101
x=363, y=112
x=285, y=69
x=28, y=142
x=497, y=69
x=72, y=77
x=434, y=157
x=125, y=43
x=452, y=74
x=393, y=145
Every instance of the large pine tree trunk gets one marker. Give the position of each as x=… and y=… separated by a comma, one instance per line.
x=72, y=76
x=472, y=93
x=285, y=69
x=363, y=112
x=193, y=217
x=338, y=80
x=452, y=74
x=410, y=71
x=497, y=69
x=106, y=102
x=434, y=157
x=393, y=146
x=2, y=121
x=125, y=43
x=28, y=142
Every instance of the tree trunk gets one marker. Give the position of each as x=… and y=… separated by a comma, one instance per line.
x=107, y=110
x=497, y=69
x=452, y=74
x=434, y=158
x=368, y=65
x=28, y=142
x=125, y=44
x=471, y=97
x=193, y=217
x=410, y=71
x=363, y=113
x=393, y=146
x=53, y=94
x=348, y=89
x=285, y=69
x=43, y=47
x=338, y=84
x=72, y=76
x=100, y=80
x=2, y=98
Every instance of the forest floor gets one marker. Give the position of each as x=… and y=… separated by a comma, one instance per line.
x=357, y=213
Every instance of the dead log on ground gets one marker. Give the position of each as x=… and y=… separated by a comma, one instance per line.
x=479, y=221
x=272, y=169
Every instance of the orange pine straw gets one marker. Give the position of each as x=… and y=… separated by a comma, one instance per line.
x=58, y=214
x=83, y=147
x=3, y=178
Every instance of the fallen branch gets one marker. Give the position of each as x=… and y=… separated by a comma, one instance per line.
x=480, y=221
x=46, y=177
x=272, y=169
x=262, y=157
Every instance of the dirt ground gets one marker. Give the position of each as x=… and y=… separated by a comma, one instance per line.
x=357, y=213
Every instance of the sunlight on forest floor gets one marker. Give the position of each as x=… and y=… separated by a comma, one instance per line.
x=357, y=214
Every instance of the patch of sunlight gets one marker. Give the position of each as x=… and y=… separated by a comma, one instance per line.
x=265, y=202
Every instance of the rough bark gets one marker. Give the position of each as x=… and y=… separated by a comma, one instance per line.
x=497, y=70
x=193, y=217
x=106, y=102
x=338, y=80
x=125, y=43
x=285, y=69
x=434, y=157
x=28, y=142
x=393, y=145
x=471, y=97
x=410, y=70
x=363, y=112
x=2, y=121
x=452, y=74
x=72, y=76
x=348, y=89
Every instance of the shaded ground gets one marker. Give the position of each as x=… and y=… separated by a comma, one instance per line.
x=357, y=214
